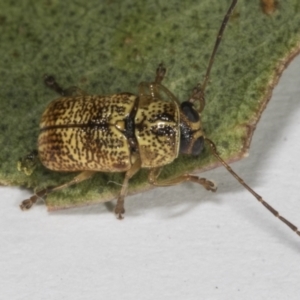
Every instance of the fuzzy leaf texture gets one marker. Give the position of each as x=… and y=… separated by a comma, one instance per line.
x=106, y=47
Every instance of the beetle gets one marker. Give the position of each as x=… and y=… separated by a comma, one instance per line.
x=126, y=132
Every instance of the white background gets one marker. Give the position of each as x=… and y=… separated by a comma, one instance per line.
x=175, y=243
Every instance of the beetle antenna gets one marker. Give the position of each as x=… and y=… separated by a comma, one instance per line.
x=198, y=92
x=242, y=182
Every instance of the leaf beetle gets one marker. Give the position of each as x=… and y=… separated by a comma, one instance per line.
x=124, y=133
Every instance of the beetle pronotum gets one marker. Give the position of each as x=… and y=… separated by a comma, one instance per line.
x=124, y=133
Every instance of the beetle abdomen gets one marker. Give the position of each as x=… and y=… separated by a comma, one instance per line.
x=86, y=133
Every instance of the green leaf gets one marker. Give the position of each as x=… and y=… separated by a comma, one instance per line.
x=106, y=47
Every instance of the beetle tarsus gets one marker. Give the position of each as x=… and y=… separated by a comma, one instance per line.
x=27, y=204
x=42, y=194
x=119, y=211
x=208, y=185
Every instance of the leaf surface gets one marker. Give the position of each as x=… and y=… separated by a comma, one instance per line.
x=106, y=47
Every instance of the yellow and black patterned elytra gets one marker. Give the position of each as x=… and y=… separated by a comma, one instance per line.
x=93, y=132
x=124, y=133
x=86, y=133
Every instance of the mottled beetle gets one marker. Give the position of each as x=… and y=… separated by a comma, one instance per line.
x=124, y=133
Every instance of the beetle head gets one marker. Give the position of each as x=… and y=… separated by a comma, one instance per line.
x=191, y=134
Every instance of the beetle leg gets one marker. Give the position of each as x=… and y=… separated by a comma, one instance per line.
x=153, y=89
x=53, y=85
x=26, y=204
x=119, y=209
x=149, y=92
x=28, y=163
x=154, y=173
x=160, y=73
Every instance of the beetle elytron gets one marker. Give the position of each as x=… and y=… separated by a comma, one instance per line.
x=124, y=133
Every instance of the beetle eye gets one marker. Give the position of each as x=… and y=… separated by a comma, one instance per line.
x=198, y=146
x=189, y=111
